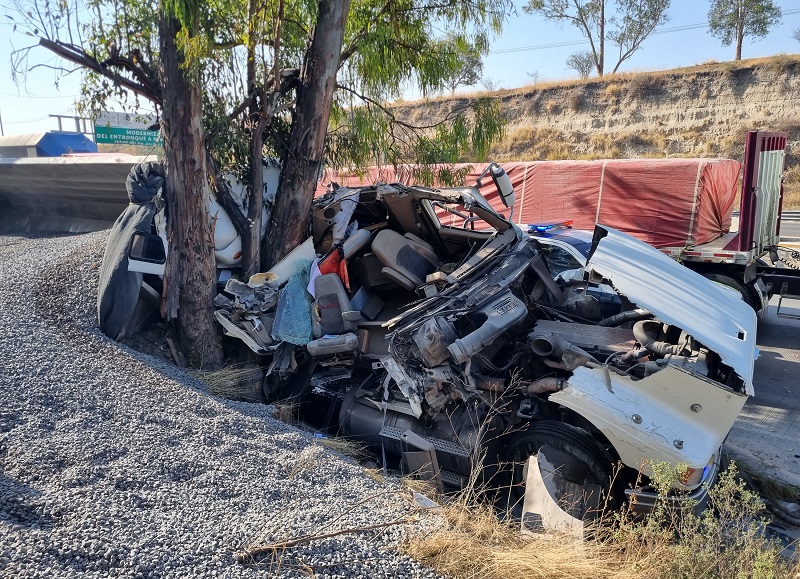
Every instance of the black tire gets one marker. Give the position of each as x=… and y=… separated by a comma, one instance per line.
x=587, y=483
x=745, y=294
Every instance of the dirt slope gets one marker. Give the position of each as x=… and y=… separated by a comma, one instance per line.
x=695, y=111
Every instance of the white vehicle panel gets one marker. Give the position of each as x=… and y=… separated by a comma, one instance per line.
x=680, y=297
x=673, y=415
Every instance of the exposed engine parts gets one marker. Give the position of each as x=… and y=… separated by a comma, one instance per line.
x=451, y=342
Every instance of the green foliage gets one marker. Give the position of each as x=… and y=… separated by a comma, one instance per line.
x=726, y=541
x=466, y=61
x=731, y=20
x=370, y=134
x=389, y=46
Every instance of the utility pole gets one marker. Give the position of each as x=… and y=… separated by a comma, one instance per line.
x=2, y=134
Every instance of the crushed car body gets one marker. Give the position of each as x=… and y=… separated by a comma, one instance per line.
x=433, y=326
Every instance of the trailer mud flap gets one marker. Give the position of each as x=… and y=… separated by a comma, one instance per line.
x=541, y=511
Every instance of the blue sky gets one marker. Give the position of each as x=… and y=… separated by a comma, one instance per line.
x=524, y=49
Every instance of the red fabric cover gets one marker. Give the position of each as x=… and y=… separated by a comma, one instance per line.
x=334, y=262
x=664, y=202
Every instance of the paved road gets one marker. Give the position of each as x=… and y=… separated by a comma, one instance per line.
x=767, y=433
x=790, y=229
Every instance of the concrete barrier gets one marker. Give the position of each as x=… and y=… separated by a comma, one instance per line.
x=64, y=193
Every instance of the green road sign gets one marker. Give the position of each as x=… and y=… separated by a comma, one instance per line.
x=125, y=135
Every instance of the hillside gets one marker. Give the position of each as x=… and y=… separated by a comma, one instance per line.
x=698, y=111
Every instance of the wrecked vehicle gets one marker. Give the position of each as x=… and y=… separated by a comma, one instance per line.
x=433, y=328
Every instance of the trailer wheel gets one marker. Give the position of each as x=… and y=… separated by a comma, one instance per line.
x=735, y=287
x=584, y=474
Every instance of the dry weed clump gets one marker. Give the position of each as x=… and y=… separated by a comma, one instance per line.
x=726, y=541
x=645, y=85
x=612, y=93
x=575, y=101
x=605, y=145
x=475, y=542
x=240, y=382
x=551, y=107
x=530, y=143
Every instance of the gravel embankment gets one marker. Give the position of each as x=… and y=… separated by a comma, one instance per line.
x=116, y=464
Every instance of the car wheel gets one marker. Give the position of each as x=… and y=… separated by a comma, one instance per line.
x=734, y=286
x=582, y=479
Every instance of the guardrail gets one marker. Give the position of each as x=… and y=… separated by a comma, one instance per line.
x=785, y=216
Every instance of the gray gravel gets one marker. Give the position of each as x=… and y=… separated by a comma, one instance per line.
x=116, y=464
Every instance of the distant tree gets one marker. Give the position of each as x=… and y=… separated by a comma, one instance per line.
x=534, y=76
x=582, y=62
x=490, y=84
x=796, y=34
x=467, y=64
x=627, y=28
x=732, y=20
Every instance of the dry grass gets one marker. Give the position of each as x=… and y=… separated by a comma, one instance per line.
x=536, y=143
x=236, y=382
x=639, y=78
x=345, y=447
x=612, y=93
x=605, y=145
x=722, y=543
x=781, y=62
x=287, y=411
x=474, y=542
x=791, y=188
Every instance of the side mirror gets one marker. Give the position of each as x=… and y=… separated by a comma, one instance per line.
x=503, y=183
x=146, y=254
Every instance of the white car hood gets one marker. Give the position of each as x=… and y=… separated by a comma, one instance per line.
x=679, y=296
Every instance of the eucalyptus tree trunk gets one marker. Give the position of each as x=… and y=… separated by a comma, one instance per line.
x=251, y=239
x=288, y=226
x=190, y=277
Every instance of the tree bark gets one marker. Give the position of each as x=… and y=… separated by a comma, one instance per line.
x=741, y=17
x=288, y=227
x=601, y=62
x=190, y=278
x=251, y=239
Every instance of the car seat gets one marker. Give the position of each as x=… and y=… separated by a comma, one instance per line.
x=407, y=260
x=332, y=313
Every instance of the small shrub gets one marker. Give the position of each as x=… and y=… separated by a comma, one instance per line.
x=551, y=107
x=726, y=540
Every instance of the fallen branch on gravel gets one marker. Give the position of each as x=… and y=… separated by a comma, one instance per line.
x=250, y=555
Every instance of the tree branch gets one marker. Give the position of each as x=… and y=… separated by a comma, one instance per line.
x=80, y=57
x=395, y=120
x=250, y=554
